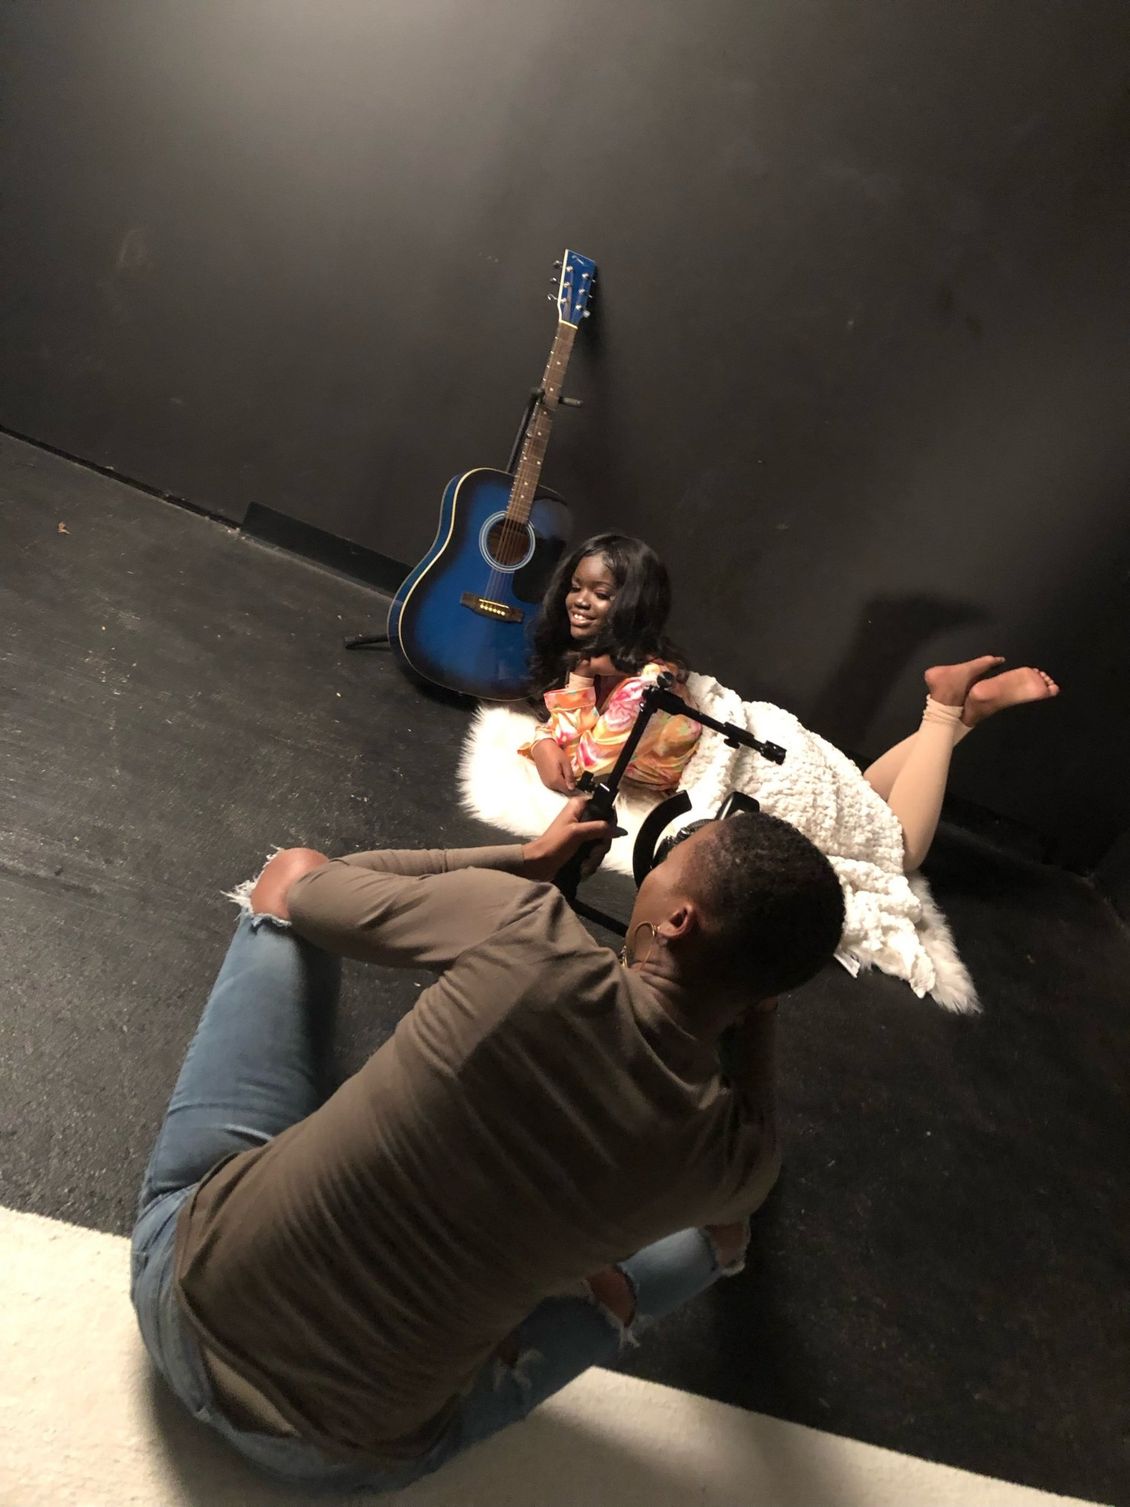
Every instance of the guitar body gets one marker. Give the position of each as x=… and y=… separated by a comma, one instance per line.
x=464, y=618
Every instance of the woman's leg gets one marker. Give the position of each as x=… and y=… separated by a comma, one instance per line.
x=916, y=794
x=959, y=699
x=882, y=774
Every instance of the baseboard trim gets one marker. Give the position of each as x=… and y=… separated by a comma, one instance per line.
x=127, y=481
x=323, y=548
x=261, y=523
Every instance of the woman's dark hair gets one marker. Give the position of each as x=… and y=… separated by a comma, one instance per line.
x=632, y=633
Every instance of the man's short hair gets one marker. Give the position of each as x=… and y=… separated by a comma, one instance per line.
x=772, y=905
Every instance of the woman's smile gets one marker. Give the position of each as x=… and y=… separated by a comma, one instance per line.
x=590, y=596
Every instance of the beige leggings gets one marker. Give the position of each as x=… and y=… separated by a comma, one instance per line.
x=911, y=777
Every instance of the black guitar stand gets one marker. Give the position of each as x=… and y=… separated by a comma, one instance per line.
x=367, y=641
x=533, y=403
x=649, y=850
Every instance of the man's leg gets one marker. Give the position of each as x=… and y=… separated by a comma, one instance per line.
x=254, y=1067
x=566, y=1335
x=256, y=1064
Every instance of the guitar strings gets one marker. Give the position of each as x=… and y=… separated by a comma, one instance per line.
x=513, y=535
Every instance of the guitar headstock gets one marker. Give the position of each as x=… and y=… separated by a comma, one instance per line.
x=574, y=288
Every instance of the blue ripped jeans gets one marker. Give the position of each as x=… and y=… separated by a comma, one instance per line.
x=254, y=1067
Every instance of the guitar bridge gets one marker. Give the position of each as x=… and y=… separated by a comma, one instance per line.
x=488, y=608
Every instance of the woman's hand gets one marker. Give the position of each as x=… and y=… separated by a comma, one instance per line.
x=552, y=763
x=600, y=664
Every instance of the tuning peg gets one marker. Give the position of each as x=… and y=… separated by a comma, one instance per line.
x=587, y=314
x=557, y=263
x=551, y=298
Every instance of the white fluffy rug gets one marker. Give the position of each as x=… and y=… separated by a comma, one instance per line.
x=892, y=921
x=85, y=1423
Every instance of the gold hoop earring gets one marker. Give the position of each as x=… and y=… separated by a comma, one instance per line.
x=628, y=955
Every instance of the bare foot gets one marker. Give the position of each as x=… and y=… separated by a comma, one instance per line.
x=1010, y=689
x=950, y=684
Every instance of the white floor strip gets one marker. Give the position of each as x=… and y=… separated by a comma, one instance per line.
x=84, y=1424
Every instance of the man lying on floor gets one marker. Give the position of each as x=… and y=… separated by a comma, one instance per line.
x=352, y=1289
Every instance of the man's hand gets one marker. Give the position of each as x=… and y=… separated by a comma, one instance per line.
x=546, y=855
x=552, y=763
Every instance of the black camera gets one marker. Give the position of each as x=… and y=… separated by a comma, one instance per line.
x=652, y=846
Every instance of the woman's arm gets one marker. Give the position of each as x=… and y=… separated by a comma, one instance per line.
x=552, y=747
x=592, y=740
x=599, y=743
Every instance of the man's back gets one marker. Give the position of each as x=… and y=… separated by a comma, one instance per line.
x=534, y=1118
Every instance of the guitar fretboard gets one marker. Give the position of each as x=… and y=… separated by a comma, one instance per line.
x=528, y=470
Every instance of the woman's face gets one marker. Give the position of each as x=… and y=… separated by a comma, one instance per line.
x=589, y=598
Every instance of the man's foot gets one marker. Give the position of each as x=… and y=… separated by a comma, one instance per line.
x=950, y=684
x=1010, y=689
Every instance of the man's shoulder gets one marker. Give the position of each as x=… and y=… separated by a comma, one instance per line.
x=541, y=918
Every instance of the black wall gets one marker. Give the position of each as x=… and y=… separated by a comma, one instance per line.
x=860, y=368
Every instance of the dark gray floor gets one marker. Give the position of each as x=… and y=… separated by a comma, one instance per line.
x=942, y=1269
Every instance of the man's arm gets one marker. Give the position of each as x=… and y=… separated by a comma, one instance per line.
x=421, y=920
x=750, y=1064
x=422, y=909
x=751, y=1059
x=410, y=863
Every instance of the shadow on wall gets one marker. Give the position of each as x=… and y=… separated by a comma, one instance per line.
x=599, y=446
x=888, y=638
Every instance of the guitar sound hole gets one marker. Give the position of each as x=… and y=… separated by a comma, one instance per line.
x=507, y=542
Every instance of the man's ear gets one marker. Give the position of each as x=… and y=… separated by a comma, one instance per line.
x=681, y=923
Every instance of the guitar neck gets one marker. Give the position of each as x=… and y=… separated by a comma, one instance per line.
x=527, y=473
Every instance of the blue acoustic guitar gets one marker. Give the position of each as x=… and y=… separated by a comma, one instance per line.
x=463, y=619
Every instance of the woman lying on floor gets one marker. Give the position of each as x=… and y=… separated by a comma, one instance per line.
x=600, y=641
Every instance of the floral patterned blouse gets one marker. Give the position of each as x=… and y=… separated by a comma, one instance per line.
x=592, y=728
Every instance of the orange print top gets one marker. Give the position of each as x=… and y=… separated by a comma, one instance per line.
x=592, y=728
